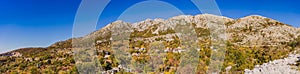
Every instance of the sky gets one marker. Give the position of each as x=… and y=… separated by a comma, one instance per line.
x=40, y=23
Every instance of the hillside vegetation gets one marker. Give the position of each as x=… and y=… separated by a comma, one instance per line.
x=252, y=40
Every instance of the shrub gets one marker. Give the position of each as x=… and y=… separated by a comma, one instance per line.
x=34, y=70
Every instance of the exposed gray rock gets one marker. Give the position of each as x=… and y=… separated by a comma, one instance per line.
x=280, y=66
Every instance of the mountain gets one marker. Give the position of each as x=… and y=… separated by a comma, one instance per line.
x=251, y=40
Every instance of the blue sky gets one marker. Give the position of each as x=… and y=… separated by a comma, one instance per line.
x=39, y=23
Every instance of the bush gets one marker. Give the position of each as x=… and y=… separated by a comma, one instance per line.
x=34, y=70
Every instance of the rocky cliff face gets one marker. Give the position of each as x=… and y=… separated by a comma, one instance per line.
x=252, y=30
x=258, y=30
x=257, y=39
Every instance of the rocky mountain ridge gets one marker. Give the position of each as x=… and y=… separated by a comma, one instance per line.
x=252, y=30
x=250, y=36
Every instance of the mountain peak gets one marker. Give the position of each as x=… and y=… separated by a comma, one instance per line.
x=261, y=20
x=254, y=16
x=252, y=33
x=211, y=15
x=115, y=23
